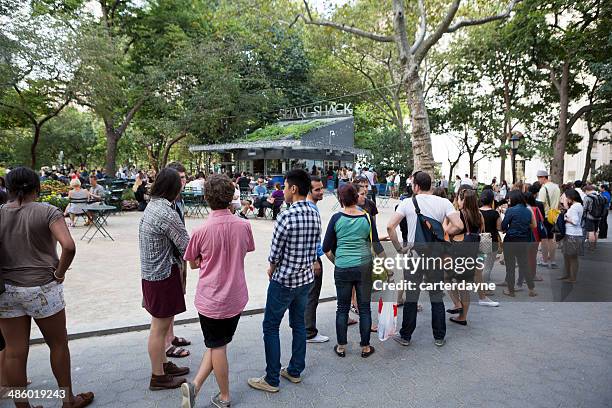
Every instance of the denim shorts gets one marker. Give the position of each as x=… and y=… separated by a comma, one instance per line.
x=37, y=302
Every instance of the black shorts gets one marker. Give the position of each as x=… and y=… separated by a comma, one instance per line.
x=591, y=225
x=218, y=332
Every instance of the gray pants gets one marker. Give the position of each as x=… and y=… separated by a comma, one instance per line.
x=310, y=314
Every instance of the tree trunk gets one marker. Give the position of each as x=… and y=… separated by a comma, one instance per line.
x=556, y=170
x=502, y=167
x=421, y=139
x=450, y=173
x=112, y=140
x=169, y=145
x=471, y=156
x=587, y=160
x=557, y=166
x=33, y=146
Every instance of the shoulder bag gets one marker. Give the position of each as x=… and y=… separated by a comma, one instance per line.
x=553, y=213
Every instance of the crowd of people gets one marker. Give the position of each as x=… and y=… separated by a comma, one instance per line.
x=528, y=216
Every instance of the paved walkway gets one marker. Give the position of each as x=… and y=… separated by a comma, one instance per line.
x=518, y=355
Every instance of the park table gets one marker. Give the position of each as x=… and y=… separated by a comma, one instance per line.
x=97, y=214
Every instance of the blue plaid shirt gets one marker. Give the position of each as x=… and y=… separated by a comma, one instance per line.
x=294, y=245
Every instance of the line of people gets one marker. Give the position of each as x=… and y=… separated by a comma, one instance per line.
x=33, y=274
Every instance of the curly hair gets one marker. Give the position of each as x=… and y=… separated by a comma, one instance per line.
x=219, y=191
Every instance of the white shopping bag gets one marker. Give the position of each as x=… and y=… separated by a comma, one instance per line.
x=387, y=319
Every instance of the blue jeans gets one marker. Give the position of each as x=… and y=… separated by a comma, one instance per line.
x=346, y=279
x=279, y=299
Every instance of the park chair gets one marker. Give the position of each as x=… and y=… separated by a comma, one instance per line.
x=278, y=205
x=383, y=195
x=83, y=213
x=193, y=204
x=114, y=198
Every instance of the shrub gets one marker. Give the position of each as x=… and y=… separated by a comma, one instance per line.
x=55, y=200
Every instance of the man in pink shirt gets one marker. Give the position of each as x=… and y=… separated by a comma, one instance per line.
x=218, y=249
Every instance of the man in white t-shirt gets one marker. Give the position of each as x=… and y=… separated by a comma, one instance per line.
x=371, y=181
x=441, y=210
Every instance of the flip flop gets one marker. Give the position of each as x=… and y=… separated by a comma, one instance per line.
x=180, y=342
x=80, y=400
x=177, y=352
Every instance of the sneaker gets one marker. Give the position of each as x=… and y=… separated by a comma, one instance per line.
x=542, y=263
x=216, y=401
x=285, y=373
x=188, y=395
x=399, y=339
x=488, y=302
x=439, y=342
x=261, y=384
x=319, y=338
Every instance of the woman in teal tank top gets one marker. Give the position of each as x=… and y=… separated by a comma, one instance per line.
x=350, y=235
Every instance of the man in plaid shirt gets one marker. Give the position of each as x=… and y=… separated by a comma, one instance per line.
x=293, y=252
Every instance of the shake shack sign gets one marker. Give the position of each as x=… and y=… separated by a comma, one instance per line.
x=316, y=111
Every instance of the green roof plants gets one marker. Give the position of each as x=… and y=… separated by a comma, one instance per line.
x=280, y=131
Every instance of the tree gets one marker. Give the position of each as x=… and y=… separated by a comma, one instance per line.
x=557, y=33
x=382, y=142
x=111, y=81
x=410, y=55
x=471, y=116
x=491, y=58
x=36, y=73
x=206, y=85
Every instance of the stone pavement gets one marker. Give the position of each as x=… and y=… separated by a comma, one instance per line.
x=518, y=355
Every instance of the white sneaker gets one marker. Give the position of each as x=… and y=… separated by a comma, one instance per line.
x=488, y=302
x=319, y=338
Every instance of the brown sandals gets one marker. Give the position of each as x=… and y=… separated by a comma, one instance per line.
x=80, y=400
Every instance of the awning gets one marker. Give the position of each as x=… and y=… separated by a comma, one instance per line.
x=278, y=144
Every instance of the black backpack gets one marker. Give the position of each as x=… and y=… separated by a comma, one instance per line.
x=429, y=235
x=559, y=227
x=598, y=206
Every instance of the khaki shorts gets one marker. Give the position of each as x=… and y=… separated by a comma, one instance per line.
x=37, y=302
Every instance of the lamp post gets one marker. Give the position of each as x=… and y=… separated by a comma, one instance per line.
x=514, y=144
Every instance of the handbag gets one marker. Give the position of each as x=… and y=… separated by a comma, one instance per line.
x=486, y=243
x=553, y=213
x=540, y=228
x=271, y=200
